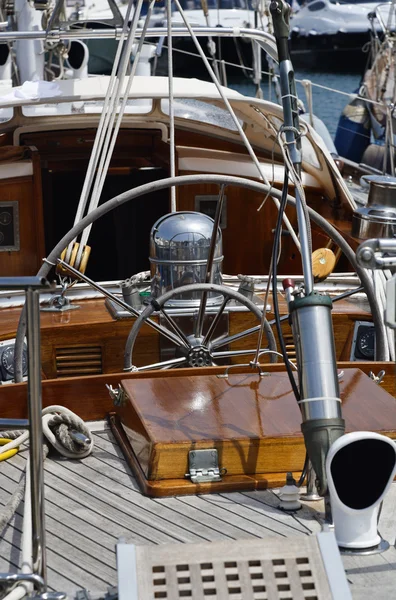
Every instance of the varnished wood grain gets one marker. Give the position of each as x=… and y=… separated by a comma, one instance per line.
x=26, y=191
x=184, y=487
x=92, y=324
x=89, y=398
x=254, y=423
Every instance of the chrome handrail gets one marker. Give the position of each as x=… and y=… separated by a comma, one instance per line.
x=266, y=40
x=32, y=287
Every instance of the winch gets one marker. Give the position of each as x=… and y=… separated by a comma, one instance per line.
x=378, y=217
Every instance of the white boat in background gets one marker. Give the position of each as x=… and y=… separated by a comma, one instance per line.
x=323, y=28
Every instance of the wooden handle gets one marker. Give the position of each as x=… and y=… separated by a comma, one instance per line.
x=323, y=263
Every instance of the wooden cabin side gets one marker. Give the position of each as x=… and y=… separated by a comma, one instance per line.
x=89, y=341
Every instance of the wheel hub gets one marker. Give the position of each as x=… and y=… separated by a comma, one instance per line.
x=199, y=357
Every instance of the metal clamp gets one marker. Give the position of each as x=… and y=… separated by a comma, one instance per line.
x=251, y=364
x=117, y=395
x=377, y=253
x=204, y=466
x=377, y=378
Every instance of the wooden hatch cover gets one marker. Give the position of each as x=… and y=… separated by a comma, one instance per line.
x=254, y=424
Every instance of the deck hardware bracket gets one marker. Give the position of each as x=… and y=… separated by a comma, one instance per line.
x=117, y=395
x=377, y=378
x=251, y=364
x=204, y=466
x=83, y=595
x=49, y=596
x=377, y=253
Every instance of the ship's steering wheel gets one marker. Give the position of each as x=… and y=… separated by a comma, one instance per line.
x=199, y=348
x=226, y=180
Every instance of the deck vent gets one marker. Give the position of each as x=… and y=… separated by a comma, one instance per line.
x=72, y=361
x=270, y=569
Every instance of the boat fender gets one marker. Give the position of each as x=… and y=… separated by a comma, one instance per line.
x=353, y=131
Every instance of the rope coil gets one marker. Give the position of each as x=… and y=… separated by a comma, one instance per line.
x=64, y=430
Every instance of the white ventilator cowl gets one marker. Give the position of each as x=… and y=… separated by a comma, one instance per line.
x=360, y=468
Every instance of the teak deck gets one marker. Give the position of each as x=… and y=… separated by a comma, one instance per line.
x=254, y=423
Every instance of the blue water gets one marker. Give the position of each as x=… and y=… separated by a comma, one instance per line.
x=326, y=105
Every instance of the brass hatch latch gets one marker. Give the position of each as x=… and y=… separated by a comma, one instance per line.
x=204, y=466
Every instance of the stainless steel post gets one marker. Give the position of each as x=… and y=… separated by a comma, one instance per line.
x=209, y=264
x=311, y=495
x=36, y=433
x=289, y=101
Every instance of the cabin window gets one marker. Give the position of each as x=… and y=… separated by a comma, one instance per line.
x=6, y=114
x=203, y=112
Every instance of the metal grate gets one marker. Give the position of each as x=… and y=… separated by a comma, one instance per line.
x=270, y=569
x=71, y=361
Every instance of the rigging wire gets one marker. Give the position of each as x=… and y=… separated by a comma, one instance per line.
x=110, y=140
x=171, y=104
x=277, y=235
x=234, y=117
x=108, y=107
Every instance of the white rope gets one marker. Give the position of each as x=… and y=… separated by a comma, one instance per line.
x=171, y=106
x=318, y=399
x=103, y=121
x=222, y=95
x=109, y=141
x=70, y=417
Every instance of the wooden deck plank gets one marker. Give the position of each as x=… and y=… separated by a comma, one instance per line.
x=121, y=504
x=228, y=503
x=306, y=516
x=387, y=522
x=122, y=489
x=225, y=513
x=62, y=575
x=79, y=518
x=91, y=503
x=270, y=511
x=78, y=548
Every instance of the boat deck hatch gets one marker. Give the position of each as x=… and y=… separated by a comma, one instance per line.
x=252, y=424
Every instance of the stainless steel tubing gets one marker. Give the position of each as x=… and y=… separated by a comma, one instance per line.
x=36, y=433
x=12, y=578
x=266, y=41
x=209, y=265
x=320, y=404
x=118, y=301
x=14, y=424
x=311, y=495
x=312, y=326
x=22, y=283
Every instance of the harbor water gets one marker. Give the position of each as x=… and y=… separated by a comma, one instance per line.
x=327, y=105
